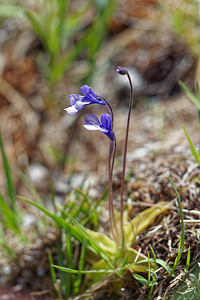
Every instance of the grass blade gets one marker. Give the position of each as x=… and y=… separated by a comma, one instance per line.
x=181, y=215
x=53, y=273
x=4, y=245
x=91, y=241
x=68, y=270
x=187, y=260
x=65, y=279
x=9, y=181
x=77, y=284
x=182, y=238
x=142, y=280
x=192, y=97
x=154, y=257
x=163, y=264
x=76, y=229
x=69, y=255
x=37, y=24
x=59, y=221
x=8, y=216
x=193, y=150
x=31, y=188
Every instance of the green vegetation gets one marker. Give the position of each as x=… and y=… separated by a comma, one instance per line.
x=193, y=150
x=183, y=16
x=106, y=256
x=9, y=211
x=56, y=26
x=194, y=98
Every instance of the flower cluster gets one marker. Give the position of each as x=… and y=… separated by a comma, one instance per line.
x=78, y=102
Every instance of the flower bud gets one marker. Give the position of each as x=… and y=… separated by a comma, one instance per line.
x=122, y=70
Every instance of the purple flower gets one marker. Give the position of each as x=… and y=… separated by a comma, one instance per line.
x=78, y=101
x=105, y=126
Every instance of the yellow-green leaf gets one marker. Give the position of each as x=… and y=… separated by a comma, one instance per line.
x=104, y=242
x=142, y=221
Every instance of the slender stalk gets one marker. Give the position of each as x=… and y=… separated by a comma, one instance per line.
x=112, y=154
x=112, y=219
x=131, y=102
x=110, y=202
x=111, y=170
x=199, y=118
x=109, y=110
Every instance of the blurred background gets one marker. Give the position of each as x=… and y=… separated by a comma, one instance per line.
x=49, y=48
